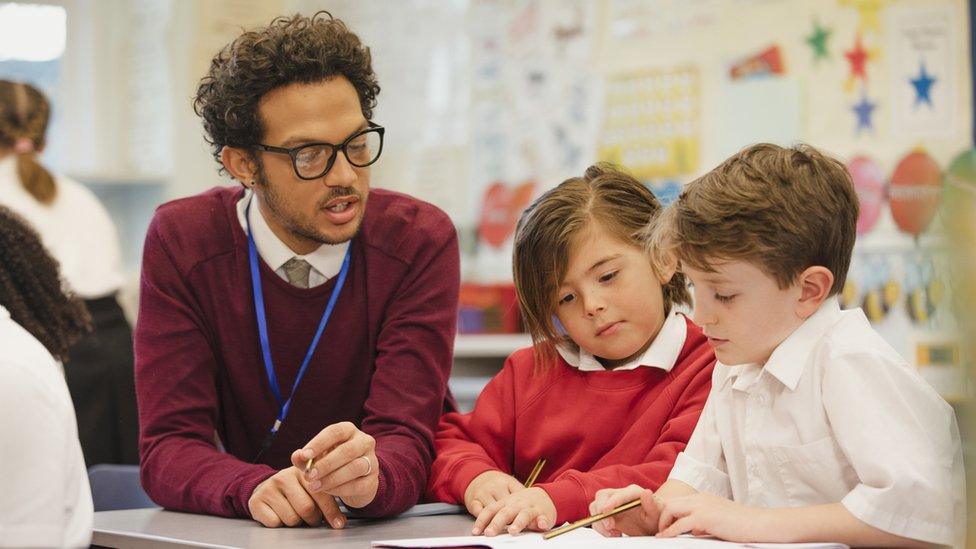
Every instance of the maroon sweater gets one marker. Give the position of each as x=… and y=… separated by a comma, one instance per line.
x=382, y=363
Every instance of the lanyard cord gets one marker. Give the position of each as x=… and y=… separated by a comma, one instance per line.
x=284, y=405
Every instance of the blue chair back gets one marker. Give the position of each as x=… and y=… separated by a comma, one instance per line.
x=116, y=487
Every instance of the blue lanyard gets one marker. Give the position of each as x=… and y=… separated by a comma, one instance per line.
x=284, y=405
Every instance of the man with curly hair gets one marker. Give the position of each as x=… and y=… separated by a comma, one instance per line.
x=294, y=335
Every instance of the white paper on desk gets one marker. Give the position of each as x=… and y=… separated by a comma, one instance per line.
x=581, y=537
x=585, y=538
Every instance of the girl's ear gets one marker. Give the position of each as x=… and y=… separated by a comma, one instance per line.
x=665, y=267
x=815, y=283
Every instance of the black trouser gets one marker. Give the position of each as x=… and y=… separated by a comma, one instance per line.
x=99, y=372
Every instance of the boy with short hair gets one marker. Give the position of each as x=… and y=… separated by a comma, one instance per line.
x=815, y=428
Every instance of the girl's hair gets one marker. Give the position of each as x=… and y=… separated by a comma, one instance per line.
x=548, y=229
x=31, y=289
x=24, y=114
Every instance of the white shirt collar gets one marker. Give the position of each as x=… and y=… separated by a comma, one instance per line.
x=662, y=353
x=8, y=168
x=325, y=260
x=790, y=357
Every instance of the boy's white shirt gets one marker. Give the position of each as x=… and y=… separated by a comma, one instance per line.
x=836, y=415
x=662, y=353
x=45, y=500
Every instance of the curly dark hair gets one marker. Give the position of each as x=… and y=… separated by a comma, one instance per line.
x=31, y=289
x=290, y=49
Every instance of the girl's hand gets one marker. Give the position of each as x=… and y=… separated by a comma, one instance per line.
x=530, y=508
x=710, y=515
x=639, y=521
x=487, y=488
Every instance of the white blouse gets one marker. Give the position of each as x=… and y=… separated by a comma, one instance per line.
x=76, y=230
x=45, y=500
x=661, y=353
x=836, y=415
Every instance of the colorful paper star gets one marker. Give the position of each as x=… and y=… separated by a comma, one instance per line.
x=868, y=12
x=858, y=58
x=923, y=86
x=863, y=110
x=818, y=41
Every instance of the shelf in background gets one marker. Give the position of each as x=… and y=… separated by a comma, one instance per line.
x=489, y=345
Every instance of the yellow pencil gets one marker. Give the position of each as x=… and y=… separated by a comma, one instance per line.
x=535, y=473
x=590, y=520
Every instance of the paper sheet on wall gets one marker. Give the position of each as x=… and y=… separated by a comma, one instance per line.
x=652, y=122
x=760, y=110
x=921, y=49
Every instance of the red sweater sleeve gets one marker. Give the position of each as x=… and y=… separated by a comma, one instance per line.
x=573, y=490
x=413, y=364
x=181, y=467
x=470, y=444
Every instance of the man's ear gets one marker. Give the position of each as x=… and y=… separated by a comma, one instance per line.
x=240, y=164
x=815, y=283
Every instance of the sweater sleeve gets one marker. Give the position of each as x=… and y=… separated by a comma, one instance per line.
x=175, y=366
x=413, y=363
x=573, y=490
x=470, y=444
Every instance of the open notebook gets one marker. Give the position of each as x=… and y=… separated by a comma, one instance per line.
x=585, y=538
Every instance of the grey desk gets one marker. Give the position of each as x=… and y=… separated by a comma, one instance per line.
x=141, y=528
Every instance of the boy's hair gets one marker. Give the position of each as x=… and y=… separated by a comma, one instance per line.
x=24, y=114
x=783, y=210
x=31, y=290
x=549, y=228
x=290, y=49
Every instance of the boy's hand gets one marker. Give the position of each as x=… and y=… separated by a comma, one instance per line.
x=487, y=488
x=710, y=515
x=530, y=508
x=640, y=521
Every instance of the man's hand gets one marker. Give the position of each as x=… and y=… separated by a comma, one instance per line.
x=345, y=464
x=487, y=488
x=283, y=499
x=639, y=521
x=530, y=508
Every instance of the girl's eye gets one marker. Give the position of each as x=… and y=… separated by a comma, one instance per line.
x=566, y=299
x=723, y=298
x=608, y=277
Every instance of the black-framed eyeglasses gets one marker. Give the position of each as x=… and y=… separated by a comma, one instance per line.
x=313, y=160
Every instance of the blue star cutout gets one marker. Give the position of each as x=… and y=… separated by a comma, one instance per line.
x=863, y=111
x=923, y=85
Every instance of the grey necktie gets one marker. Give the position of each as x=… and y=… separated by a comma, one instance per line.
x=297, y=272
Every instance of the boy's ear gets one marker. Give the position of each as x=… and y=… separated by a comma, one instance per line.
x=239, y=164
x=815, y=283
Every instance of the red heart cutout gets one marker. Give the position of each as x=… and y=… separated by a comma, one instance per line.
x=502, y=207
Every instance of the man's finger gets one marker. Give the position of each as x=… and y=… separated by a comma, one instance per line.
x=349, y=473
x=330, y=510
x=302, y=503
x=342, y=455
x=281, y=507
x=263, y=513
x=328, y=438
